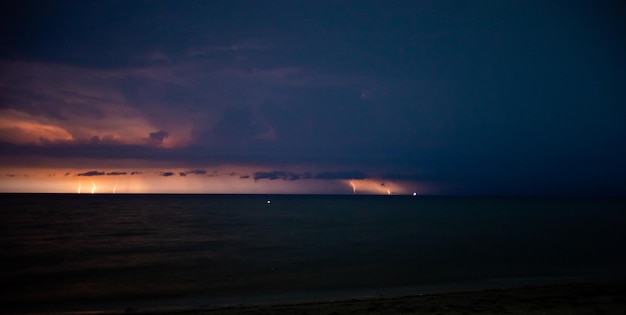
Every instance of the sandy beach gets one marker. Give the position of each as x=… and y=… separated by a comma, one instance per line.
x=589, y=298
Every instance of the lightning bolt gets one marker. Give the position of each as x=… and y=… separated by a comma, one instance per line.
x=353, y=187
x=79, y=186
x=115, y=187
x=93, y=187
x=388, y=191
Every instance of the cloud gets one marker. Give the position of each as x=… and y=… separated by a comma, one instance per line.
x=341, y=175
x=404, y=177
x=196, y=172
x=157, y=137
x=21, y=128
x=286, y=175
x=166, y=174
x=62, y=102
x=193, y=108
x=244, y=124
x=274, y=175
x=91, y=173
x=116, y=173
x=193, y=172
x=136, y=173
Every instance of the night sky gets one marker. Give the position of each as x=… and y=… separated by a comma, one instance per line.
x=432, y=97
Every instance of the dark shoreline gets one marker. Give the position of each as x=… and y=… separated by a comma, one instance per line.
x=578, y=298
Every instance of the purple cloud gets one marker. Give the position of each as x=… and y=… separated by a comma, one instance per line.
x=91, y=173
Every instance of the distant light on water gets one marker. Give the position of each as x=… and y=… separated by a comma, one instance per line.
x=414, y=194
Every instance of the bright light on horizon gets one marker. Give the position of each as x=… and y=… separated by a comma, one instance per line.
x=172, y=181
x=375, y=187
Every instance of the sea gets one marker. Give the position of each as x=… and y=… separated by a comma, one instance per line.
x=70, y=253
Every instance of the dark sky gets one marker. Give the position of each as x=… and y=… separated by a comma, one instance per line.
x=471, y=97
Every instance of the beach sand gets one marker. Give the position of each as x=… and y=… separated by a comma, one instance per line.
x=591, y=298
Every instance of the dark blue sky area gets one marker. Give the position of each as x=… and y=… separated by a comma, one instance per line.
x=479, y=97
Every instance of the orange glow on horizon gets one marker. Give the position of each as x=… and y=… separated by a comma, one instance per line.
x=156, y=180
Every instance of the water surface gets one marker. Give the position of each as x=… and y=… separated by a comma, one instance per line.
x=97, y=252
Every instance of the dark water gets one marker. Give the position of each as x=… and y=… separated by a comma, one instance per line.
x=96, y=252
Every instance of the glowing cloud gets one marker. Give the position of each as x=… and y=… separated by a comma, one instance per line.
x=81, y=106
x=19, y=128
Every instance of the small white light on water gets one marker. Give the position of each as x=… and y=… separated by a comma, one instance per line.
x=269, y=202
